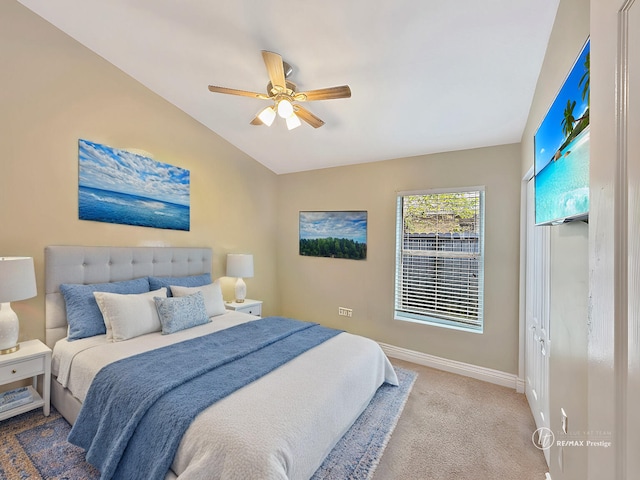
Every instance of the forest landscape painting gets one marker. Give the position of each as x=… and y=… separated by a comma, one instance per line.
x=118, y=186
x=562, y=150
x=338, y=234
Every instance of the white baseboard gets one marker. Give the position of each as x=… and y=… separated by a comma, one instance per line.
x=480, y=373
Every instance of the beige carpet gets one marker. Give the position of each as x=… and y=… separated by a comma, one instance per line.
x=458, y=428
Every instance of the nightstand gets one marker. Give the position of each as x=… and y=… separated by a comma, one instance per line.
x=33, y=359
x=252, y=307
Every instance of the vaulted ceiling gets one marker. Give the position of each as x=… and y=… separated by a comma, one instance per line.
x=426, y=76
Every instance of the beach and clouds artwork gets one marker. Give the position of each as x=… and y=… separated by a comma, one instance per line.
x=341, y=234
x=117, y=186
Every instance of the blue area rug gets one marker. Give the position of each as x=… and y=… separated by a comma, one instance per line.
x=35, y=447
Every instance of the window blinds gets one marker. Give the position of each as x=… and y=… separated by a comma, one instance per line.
x=439, y=267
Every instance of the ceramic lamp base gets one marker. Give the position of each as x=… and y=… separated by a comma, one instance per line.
x=241, y=290
x=9, y=328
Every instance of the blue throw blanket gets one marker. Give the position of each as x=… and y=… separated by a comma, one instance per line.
x=138, y=408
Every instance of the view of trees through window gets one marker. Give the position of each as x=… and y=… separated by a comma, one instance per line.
x=441, y=213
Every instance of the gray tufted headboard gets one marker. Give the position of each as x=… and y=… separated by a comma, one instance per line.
x=79, y=264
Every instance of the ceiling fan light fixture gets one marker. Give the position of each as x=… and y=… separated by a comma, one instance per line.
x=285, y=109
x=267, y=116
x=283, y=94
x=293, y=121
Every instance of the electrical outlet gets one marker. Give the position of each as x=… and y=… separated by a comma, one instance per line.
x=345, y=312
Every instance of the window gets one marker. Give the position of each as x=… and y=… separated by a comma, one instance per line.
x=440, y=257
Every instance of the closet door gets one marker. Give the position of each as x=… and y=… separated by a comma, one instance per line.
x=537, y=318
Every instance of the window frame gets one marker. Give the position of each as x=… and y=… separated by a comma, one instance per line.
x=431, y=319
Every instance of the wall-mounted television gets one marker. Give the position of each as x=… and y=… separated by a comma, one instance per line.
x=561, y=160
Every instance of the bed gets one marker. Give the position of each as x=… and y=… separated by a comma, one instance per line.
x=279, y=426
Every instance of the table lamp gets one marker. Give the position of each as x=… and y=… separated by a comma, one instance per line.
x=240, y=265
x=17, y=282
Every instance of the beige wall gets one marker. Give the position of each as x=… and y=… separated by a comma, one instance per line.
x=55, y=91
x=314, y=288
x=569, y=260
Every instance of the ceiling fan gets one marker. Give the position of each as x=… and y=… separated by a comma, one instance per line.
x=284, y=95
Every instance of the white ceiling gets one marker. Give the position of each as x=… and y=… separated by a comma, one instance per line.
x=426, y=75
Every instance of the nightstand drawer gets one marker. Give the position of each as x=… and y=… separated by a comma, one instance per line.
x=252, y=310
x=22, y=369
x=252, y=307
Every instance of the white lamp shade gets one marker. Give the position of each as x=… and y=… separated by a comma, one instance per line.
x=239, y=265
x=17, y=279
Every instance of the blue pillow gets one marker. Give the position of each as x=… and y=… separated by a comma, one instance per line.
x=191, y=281
x=180, y=313
x=83, y=314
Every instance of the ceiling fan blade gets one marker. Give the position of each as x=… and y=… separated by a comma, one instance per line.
x=275, y=69
x=324, y=94
x=307, y=116
x=256, y=121
x=233, y=91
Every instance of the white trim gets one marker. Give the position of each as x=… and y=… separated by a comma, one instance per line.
x=479, y=373
x=402, y=317
x=428, y=191
x=621, y=246
x=523, y=265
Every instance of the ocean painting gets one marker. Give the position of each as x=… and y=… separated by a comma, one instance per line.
x=341, y=234
x=117, y=186
x=562, y=150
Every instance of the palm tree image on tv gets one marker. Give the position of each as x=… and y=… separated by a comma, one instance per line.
x=562, y=149
x=572, y=127
x=334, y=234
x=569, y=119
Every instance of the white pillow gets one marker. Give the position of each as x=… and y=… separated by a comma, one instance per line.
x=212, y=294
x=129, y=316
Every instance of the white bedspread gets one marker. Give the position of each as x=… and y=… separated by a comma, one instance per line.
x=281, y=426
